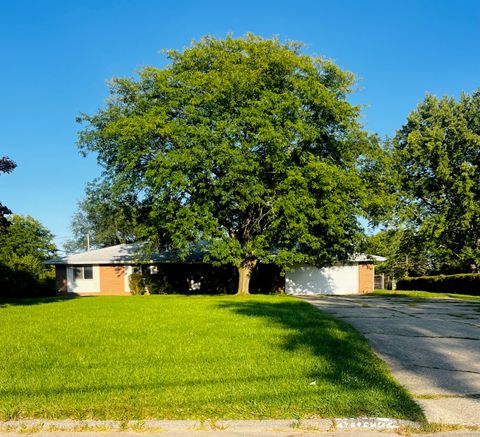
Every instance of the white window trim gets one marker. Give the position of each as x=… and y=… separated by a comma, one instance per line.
x=82, y=277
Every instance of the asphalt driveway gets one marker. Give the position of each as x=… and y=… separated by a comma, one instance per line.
x=431, y=345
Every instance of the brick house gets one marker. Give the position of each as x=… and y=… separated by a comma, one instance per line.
x=106, y=272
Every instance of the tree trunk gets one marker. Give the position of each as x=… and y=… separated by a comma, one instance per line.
x=244, y=275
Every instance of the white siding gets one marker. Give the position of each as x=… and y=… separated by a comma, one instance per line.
x=128, y=272
x=83, y=285
x=327, y=280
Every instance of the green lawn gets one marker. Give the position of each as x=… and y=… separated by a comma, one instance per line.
x=423, y=294
x=174, y=357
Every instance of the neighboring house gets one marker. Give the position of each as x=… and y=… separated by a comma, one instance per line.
x=107, y=271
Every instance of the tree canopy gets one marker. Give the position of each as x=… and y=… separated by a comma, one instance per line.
x=438, y=161
x=102, y=218
x=246, y=143
x=25, y=245
x=406, y=253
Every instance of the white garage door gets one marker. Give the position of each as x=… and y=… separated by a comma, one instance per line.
x=327, y=280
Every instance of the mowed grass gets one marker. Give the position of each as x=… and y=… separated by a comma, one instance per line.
x=423, y=295
x=174, y=357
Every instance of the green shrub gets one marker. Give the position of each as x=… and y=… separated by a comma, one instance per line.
x=218, y=280
x=16, y=282
x=137, y=283
x=147, y=283
x=158, y=283
x=467, y=283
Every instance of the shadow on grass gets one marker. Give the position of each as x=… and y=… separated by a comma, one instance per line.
x=345, y=360
x=29, y=301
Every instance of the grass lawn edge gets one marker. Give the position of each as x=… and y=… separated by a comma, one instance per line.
x=418, y=294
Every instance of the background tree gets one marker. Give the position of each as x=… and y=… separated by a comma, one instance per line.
x=245, y=143
x=406, y=254
x=438, y=157
x=6, y=166
x=25, y=245
x=107, y=219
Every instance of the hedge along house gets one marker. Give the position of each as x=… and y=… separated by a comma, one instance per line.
x=107, y=272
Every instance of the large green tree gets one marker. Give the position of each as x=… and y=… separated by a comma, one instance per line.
x=246, y=143
x=438, y=163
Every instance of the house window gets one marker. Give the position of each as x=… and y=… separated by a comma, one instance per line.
x=83, y=272
x=88, y=272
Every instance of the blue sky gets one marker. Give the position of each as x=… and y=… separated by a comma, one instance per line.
x=56, y=56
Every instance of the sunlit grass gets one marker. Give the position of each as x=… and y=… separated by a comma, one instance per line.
x=174, y=357
x=423, y=294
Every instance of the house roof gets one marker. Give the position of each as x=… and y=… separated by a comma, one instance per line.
x=127, y=254
x=134, y=254
x=363, y=257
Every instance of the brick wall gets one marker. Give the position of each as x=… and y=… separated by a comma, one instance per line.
x=112, y=280
x=366, y=274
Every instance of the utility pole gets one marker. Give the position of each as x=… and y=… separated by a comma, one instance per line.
x=88, y=242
